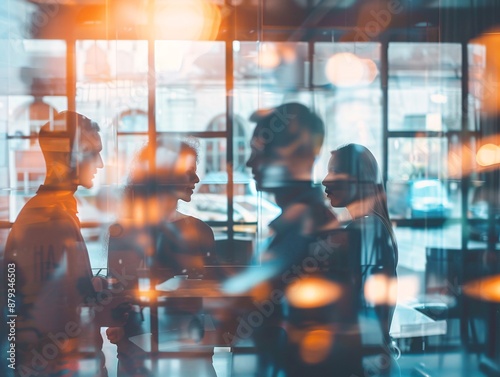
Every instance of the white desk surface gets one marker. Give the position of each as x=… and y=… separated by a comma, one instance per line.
x=408, y=322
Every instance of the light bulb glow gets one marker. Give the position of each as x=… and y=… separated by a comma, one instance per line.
x=187, y=20
x=313, y=292
x=488, y=154
x=345, y=69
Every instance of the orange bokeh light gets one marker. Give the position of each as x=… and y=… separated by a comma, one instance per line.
x=146, y=295
x=488, y=154
x=345, y=69
x=464, y=159
x=371, y=70
x=268, y=56
x=313, y=292
x=487, y=289
x=485, y=83
x=187, y=20
x=315, y=346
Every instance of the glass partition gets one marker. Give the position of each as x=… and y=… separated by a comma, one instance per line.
x=426, y=109
x=424, y=86
x=190, y=84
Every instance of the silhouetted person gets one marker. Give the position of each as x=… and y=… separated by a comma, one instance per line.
x=53, y=272
x=285, y=144
x=354, y=182
x=154, y=236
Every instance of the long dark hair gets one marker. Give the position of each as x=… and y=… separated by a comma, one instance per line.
x=359, y=163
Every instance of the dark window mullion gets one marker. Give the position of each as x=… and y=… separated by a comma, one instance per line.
x=229, y=68
x=384, y=83
x=465, y=137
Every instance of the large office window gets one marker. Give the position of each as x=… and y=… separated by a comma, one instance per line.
x=420, y=95
x=36, y=91
x=424, y=99
x=113, y=86
x=347, y=79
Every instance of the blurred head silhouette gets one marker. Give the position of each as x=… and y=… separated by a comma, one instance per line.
x=71, y=146
x=284, y=145
x=168, y=169
x=161, y=175
x=354, y=178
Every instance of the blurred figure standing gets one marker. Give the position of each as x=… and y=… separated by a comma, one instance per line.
x=153, y=239
x=184, y=243
x=285, y=144
x=53, y=272
x=354, y=182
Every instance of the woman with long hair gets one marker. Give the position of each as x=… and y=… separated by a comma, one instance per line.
x=354, y=182
x=158, y=180
x=153, y=242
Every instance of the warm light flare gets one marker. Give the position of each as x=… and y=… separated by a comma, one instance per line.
x=146, y=294
x=268, y=56
x=188, y=20
x=315, y=346
x=345, y=69
x=487, y=289
x=488, y=154
x=313, y=292
x=464, y=160
x=486, y=80
x=371, y=69
x=381, y=290
x=183, y=163
x=171, y=55
x=408, y=288
x=146, y=211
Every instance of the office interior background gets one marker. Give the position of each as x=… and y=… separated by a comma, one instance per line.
x=415, y=81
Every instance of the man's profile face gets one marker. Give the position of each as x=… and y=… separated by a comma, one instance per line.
x=276, y=167
x=284, y=146
x=88, y=158
x=257, y=162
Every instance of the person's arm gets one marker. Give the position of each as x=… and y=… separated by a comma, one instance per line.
x=289, y=244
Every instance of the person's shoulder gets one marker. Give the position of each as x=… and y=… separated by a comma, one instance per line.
x=372, y=220
x=371, y=224
x=33, y=209
x=196, y=230
x=33, y=215
x=195, y=222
